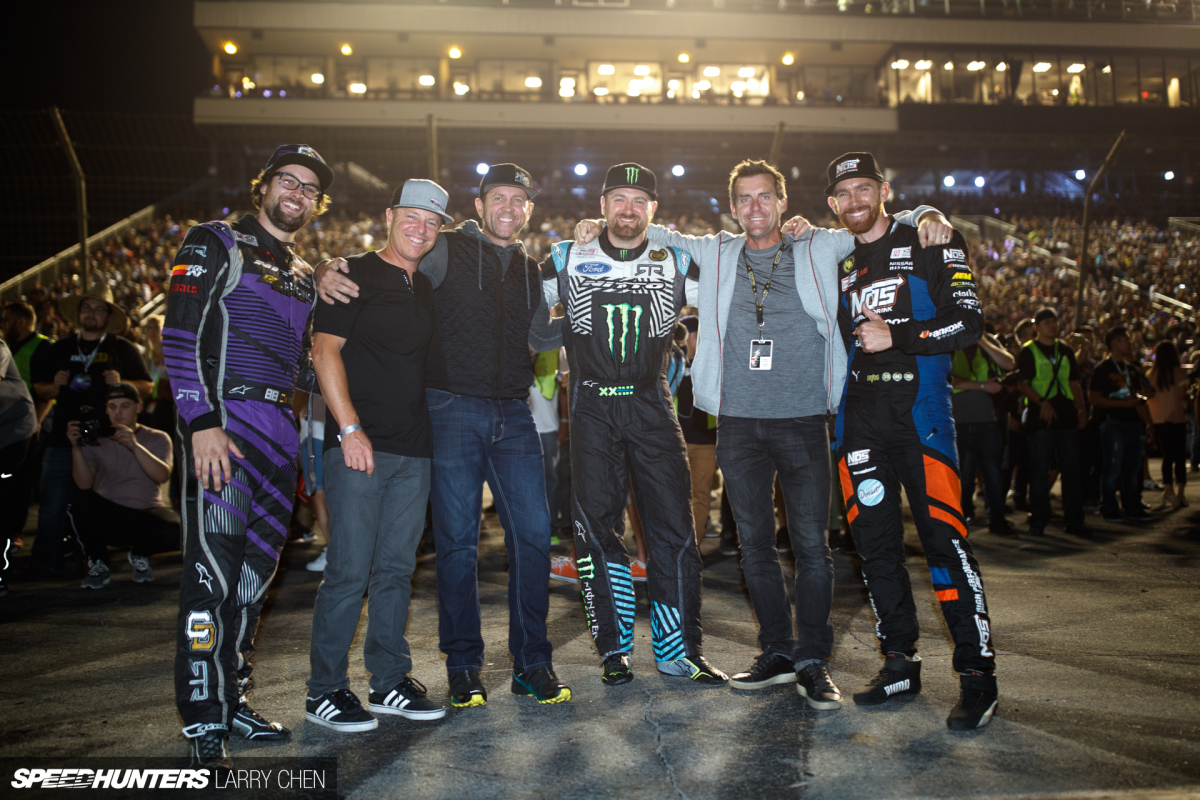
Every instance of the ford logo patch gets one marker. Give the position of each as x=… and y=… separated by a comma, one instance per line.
x=593, y=268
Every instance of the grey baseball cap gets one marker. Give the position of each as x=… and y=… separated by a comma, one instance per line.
x=420, y=193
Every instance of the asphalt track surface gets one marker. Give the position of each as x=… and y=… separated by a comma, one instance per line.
x=1097, y=645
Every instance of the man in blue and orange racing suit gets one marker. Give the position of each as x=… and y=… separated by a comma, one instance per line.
x=904, y=310
x=239, y=303
x=622, y=296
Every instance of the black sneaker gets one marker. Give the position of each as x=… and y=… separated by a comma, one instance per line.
x=768, y=670
x=616, y=670
x=340, y=711
x=466, y=689
x=251, y=726
x=1003, y=528
x=210, y=749
x=815, y=686
x=695, y=668
x=728, y=545
x=541, y=684
x=407, y=699
x=976, y=704
x=898, y=676
x=1139, y=516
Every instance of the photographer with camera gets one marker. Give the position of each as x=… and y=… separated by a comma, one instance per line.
x=119, y=468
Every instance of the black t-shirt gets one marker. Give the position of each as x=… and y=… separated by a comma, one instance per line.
x=1117, y=381
x=695, y=423
x=86, y=386
x=1066, y=417
x=389, y=331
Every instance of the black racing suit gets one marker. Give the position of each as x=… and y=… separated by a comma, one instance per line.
x=621, y=308
x=895, y=427
x=232, y=343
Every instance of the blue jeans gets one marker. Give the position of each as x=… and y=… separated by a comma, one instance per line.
x=54, y=495
x=1061, y=448
x=751, y=452
x=1123, y=444
x=550, y=457
x=477, y=439
x=379, y=520
x=980, y=447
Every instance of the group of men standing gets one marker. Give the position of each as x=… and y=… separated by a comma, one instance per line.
x=422, y=354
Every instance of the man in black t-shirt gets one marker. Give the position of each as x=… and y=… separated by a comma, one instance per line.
x=1118, y=392
x=370, y=359
x=76, y=372
x=1049, y=380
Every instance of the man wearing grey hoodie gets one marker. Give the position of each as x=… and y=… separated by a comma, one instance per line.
x=770, y=364
x=490, y=310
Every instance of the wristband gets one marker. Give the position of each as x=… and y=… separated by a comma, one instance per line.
x=349, y=429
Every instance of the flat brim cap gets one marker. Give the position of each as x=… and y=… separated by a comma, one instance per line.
x=305, y=156
x=1045, y=313
x=420, y=193
x=631, y=176
x=851, y=165
x=123, y=390
x=508, y=175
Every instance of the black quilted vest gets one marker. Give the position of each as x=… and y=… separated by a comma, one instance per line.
x=483, y=317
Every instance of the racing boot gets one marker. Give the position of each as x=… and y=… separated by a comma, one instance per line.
x=210, y=749
x=251, y=725
x=976, y=704
x=616, y=670
x=898, y=676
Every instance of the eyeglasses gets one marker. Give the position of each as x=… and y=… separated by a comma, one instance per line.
x=90, y=308
x=290, y=183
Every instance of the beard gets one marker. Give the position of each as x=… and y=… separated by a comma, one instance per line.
x=288, y=223
x=862, y=226
x=626, y=231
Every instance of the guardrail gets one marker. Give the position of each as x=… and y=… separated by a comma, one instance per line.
x=1185, y=224
x=49, y=271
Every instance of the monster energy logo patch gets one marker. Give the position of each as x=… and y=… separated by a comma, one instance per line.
x=586, y=568
x=631, y=174
x=625, y=310
x=616, y=391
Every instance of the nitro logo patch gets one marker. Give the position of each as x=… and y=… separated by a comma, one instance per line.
x=953, y=254
x=593, y=268
x=853, y=459
x=902, y=252
x=846, y=166
x=879, y=296
x=870, y=492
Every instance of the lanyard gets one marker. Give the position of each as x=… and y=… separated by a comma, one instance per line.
x=1124, y=374
x=87, y=360
x=758, y=301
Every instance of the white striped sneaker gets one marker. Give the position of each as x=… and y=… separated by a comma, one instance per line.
x=407, y=699
x=340, y=711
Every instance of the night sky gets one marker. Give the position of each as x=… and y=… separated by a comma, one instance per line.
x=128, y=56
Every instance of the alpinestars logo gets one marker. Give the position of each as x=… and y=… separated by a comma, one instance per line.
x=631, y=174
x=879, y=296
x=629, y=316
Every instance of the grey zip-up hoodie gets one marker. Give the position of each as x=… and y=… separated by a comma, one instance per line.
x=815, y=254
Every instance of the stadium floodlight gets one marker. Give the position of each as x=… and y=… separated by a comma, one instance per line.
x=533, y=82
x=566, y=81
x=712, y=72
x=231, y=48
x=746, y=72
x=924, y=63
x=1042, y=66
x=684, y=58
x=900, y=63
x=426, y=80
x=566, y=91
x=454, y=52
x=1080, y=174
x=1107, y=69
x=948, y=181
x=1076, y=68
x=975, y=66
x=673, y=83
x=357, y=88
x=635, y=88
x=1169, y=175
x=461, y=88
x=317, y=78
x=800, y=95
x=738, y=87
x=1001, y=67
x=599, y=91
x=704, y=86
x=266, y=92
x=949, y=65
x=581, y=170
x=979, y=181
x=695, y=93
x=788, y=59
x=606, y=69
x=481, y=168
x=642, y=70
x=677, y=170
x=347, y=50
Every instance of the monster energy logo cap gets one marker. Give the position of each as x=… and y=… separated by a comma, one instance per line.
x=631, y=175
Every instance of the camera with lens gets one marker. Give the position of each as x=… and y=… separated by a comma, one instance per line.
x=92, y=428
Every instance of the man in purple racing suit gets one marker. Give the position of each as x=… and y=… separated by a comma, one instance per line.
x=238, y=306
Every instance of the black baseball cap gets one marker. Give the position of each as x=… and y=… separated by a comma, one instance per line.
x=851, y=165
x=631, y=176
x=305, y=156
x=1045, y=313
x=508, y=175
x=123, y=390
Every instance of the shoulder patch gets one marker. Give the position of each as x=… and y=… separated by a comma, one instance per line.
x=682, y=260
x=559, y=252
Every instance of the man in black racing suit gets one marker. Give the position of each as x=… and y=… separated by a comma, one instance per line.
x=904, y=310
x=239, y=304
x=622, y=298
